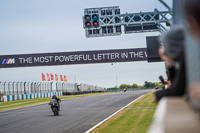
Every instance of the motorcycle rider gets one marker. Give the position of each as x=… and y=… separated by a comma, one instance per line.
x=55, y=100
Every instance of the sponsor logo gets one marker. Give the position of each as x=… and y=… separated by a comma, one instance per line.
x=8, y=61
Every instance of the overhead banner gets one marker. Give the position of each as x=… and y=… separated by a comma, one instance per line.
x=69, y=58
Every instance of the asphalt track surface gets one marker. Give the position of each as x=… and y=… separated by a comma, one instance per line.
x=76, y=115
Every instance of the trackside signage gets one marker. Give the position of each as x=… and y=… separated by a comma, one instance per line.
x=69, y=58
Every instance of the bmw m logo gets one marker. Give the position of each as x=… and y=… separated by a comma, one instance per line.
x=8, y=61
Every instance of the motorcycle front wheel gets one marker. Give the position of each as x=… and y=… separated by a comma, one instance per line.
x=55, y=111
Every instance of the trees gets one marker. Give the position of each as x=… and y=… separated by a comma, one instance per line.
x=146, y=85
x=134, y=86
x=158, y=84
x=122, y=86
x=152, y=85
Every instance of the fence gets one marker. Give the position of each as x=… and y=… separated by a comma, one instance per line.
x=10, y=91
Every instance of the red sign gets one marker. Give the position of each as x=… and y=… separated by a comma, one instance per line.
x=65, y=78
x=43, y=77
x=51, y=76
x=56, y=77
x=48, y=78
x=61, y=78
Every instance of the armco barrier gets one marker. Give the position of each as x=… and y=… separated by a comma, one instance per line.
x=29, y=96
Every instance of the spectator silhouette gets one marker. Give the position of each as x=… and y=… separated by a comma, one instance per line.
x=172, y=52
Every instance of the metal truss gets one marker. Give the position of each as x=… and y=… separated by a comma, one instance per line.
x=111, y=20
x=142, y=18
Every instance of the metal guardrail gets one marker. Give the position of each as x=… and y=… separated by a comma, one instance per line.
x=15, y=88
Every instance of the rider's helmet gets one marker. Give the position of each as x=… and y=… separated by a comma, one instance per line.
x=54, y=96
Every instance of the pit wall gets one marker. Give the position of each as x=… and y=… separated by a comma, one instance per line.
x=29, y=96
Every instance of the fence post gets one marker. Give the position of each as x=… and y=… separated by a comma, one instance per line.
x=25, y=87
x=13, y=88
x=17, y=87
x=51, y=86
x=9, y=88
x=56, y=86
x=4, y=88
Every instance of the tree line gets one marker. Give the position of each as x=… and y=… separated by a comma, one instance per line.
x=145, y=85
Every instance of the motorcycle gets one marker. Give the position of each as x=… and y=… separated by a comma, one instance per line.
x=55, y=107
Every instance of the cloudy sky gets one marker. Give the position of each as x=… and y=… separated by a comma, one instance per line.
x=46, y=26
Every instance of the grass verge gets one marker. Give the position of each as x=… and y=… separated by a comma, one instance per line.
x=136, y=118
x=29, y=102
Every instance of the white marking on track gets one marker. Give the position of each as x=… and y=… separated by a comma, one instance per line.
x=88, y=131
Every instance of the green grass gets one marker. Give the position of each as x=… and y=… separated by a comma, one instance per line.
x=29, y=102
x=136, y=118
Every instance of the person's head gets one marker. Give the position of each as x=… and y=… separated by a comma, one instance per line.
x=192, y=9
x=173, y=44
x=54, y=96
x=169, y=62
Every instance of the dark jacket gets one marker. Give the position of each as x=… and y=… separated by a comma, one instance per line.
x=58, y=100
x=171, y=72
x=178, y=83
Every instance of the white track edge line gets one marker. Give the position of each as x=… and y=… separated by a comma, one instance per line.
x=88, y=131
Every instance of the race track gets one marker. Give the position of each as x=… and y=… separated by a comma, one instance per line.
x=76, y=115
